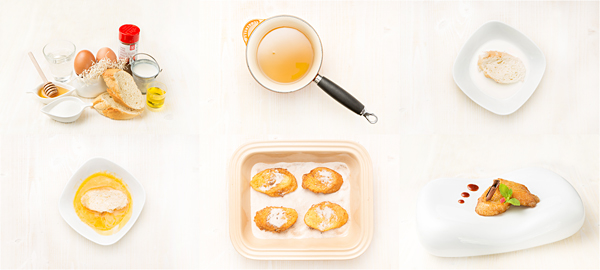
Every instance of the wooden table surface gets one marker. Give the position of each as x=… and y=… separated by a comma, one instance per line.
x=395, y=57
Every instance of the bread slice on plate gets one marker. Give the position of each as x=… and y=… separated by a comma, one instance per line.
x=109, y=107
x=123, y=89
x=501, y=67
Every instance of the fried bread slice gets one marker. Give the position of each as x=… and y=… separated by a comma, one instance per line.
x=322, y=180
x=274, y=182
x=326, y=216
x=275, y=219
x=496, y=206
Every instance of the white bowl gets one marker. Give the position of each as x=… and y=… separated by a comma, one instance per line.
x=36, y=89
x=90, y=90
x=65, y=118
x=501, y=99
x=94, y=165
x=449, y=229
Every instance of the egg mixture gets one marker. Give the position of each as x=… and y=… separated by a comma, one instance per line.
x=103, y=186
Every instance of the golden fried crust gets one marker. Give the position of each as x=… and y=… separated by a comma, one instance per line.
x=495, y=206
x=274, y=182
x=325, y=216
x=322, y=180
x=492, y=207
x=275, y=219
x=521, y=193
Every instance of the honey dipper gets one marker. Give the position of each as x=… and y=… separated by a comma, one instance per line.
x=49, y=89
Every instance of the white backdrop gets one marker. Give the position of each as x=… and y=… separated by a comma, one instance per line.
x=395, y=57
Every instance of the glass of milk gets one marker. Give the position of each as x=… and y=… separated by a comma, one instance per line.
x=60, y=55
x=144, y=71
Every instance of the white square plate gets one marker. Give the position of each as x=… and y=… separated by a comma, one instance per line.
x=502, y=99
x=94, y=165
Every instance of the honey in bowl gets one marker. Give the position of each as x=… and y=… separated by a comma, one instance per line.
x=61, y=91
x=103, y=222
x=285, y=55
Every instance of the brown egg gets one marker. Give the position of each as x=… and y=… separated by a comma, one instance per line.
x=84, y=60
x=106, y=53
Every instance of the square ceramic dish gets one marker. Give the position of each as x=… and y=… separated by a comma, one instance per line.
x=350, y=246
x=501, y=99
x=94, y=165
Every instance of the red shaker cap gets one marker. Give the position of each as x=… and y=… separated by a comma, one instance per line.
x=129, y=33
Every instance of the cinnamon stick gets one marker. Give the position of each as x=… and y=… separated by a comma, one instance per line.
x=492, y=190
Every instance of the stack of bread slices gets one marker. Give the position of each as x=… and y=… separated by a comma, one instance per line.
x=122, y=100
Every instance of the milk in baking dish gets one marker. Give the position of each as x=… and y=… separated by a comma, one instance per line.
x=301, y=200
x=488, y=86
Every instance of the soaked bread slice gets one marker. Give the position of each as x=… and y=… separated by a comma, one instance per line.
x=501, y=67
x=104, y=199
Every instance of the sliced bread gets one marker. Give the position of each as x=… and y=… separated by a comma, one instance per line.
x=502, y=67
x=123, y=89
x=107, y=106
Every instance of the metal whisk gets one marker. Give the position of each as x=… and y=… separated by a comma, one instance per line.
x=49, y=89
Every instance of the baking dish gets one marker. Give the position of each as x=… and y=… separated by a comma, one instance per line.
x=360, y=232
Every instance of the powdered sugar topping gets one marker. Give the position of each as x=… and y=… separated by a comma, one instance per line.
x=301, y=200
x=273, y=181
x=326, y=214
x=325, y=177
x=277, y=217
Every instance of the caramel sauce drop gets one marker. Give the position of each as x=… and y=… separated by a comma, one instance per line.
x=473, y=187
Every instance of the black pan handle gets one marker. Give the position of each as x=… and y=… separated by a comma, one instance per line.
x=345, y=98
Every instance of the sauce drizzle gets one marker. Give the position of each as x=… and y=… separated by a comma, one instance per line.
x=471, y=187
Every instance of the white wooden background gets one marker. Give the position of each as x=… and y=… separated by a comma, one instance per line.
x=395, y=57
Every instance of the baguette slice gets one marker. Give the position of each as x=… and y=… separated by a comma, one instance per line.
x=107, y=106
x=502, y=67
x=123, y=89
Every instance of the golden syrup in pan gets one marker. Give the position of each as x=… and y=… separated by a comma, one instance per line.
x=285, y=55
